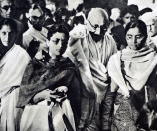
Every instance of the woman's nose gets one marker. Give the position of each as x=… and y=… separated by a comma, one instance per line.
x=7, y=37
x=60, y=43
x=150, y=27
x=134, y=40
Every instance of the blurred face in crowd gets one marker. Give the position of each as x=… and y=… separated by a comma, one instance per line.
x=36, y=17
x=51, y=6
x=6, y=8
x=152, y=27
x=57, y=44
x=7, y=36
x=134, y=38
x=128, y=18
x=98, y=22
x=115, y=14
x=150, y=20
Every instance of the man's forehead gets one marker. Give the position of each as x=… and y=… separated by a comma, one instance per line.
x=5, y=2
x=35, y=12
x=97, y=16
x=97, y=21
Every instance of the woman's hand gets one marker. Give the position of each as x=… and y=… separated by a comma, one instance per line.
x=43, y=95
x=61, y=89
x=51, y=95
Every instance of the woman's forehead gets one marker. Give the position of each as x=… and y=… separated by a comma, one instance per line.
x=128, y=14
x=134, y=31
x=58, y=35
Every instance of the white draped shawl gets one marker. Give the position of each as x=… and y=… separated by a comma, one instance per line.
x=12, y=67
x=40, y=36
x=91, y=58
x=138, y=65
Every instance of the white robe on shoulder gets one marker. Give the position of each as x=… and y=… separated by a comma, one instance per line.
x=12, y=67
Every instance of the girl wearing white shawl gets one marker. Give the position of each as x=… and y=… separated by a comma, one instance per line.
x=133, y=76
x=13, y=62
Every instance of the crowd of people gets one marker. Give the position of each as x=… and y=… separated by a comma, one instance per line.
x=86, y=69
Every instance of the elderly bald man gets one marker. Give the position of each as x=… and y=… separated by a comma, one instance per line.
x=90, y=48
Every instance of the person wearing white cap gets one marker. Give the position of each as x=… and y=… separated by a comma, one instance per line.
x=150, y=19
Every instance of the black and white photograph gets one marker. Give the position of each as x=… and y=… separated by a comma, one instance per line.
x=78, y=65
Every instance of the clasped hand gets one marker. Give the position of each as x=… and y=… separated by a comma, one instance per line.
x=58, y=95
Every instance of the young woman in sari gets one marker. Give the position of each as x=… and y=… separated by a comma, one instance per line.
x=46, y=85
x=133, y=80
x=13, y=61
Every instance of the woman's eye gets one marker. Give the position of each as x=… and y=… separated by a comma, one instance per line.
x=129, y=37
x=153, y=24
x=139, y=36
x=3, y=33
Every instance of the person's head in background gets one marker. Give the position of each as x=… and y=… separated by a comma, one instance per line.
x=128, y=14
x=51, y=5
x=115, y=14
x=61, y=15
x=135, y=9
x=136, y=34
x=36, y=16
x=151, y=21
x=98, y=22
x=78, y=20
x=8, y=31
x=58, y=41
x=6, y=8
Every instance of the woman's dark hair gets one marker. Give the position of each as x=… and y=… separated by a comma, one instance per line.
x=61, y=29
x=9, y=22
x=78, y=19
x=139, y=24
